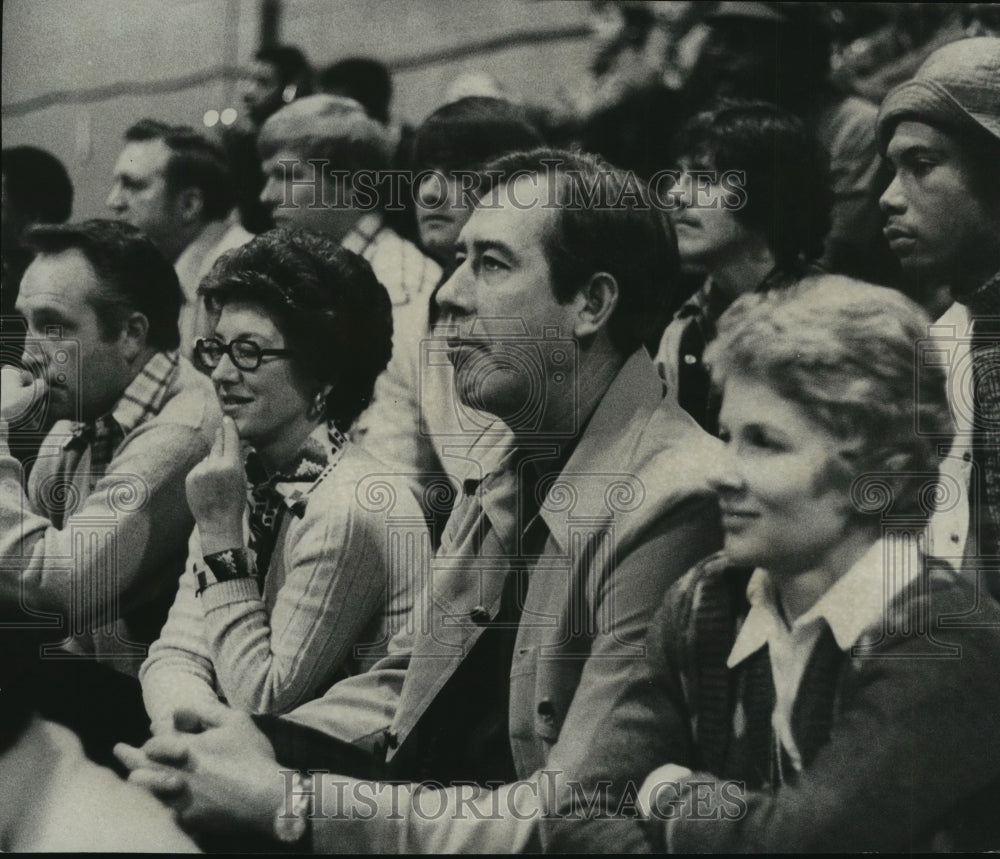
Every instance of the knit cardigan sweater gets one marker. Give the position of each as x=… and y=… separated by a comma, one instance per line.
x=899, y=741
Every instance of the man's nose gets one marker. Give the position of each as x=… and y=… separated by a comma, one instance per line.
x=683, y=192
x=454, y=298
x=271, y=193
x=892, y=200
x=432, y=190
x=116, y=199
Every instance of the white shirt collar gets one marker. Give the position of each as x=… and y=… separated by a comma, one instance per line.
x=853, y=604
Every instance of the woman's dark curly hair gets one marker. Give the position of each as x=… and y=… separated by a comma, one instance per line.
x=327, y=303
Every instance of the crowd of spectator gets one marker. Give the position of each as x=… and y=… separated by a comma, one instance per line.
x=619, y=474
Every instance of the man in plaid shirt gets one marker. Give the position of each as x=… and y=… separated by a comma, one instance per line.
x=92, y=544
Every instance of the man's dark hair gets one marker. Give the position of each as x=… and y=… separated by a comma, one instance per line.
x=38, y=186
x=325, y=300
x=195, y=162
x=467, y=133
x=787, y=182
x=365, y=80
x=618, y=232
x=291, y=66
x=135, y=276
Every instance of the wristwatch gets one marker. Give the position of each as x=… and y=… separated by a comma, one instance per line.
x=291, y=825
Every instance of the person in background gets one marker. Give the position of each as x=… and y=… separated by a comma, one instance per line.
x=780, y=52
x=940, y=134
x=329, y=197
x=626, y=113
x=752, y=210
x=95, y=538
x=364, y=79
x=291, y=581
x=279, y=75
x=461, y=137
x=901, y=36
x=808, y=688
x=369, y=82
x=36, y=190
x=449, y=146
x=321, y=156
x=174, y=184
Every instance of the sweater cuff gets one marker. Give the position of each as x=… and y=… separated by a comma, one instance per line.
x=225, y=593
x=227, y=565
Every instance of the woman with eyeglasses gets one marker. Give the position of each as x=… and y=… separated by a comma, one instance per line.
x=820, y=684
x=292, y=581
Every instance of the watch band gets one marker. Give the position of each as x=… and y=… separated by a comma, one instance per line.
x=231, y=564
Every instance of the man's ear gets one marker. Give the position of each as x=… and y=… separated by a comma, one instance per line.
x=192, y=204
x=597, y=301
x=134, y=335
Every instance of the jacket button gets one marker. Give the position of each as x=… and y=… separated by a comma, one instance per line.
x=690, y=359
x=479, y=615
x=546, y=710
x=967, y=456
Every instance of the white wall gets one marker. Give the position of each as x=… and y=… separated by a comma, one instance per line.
x=76, y=47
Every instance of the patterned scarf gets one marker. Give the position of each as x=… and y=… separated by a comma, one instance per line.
x=269, y=496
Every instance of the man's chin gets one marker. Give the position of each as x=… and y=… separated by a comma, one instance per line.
x=919, y=269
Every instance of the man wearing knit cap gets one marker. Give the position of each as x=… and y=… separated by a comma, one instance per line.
x=941, y=134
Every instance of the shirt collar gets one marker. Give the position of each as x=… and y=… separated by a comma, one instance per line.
x=363, y=233
x=761, y=623
x=144, y=396
x=852, y=605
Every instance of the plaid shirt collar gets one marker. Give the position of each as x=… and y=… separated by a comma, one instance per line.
x=142, y=399
x=146, y=394
x=363, y=233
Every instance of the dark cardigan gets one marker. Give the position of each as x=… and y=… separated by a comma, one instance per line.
x=899, y=739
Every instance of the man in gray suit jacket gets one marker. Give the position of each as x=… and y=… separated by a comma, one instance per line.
x=577, y=513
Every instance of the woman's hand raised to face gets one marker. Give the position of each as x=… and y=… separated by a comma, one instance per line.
x=216, y=492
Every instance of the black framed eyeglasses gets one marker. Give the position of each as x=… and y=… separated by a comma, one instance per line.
x=245, y=354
